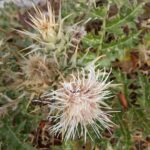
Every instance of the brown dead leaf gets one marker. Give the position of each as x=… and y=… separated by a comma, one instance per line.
x=129, y=63
x=123, y=100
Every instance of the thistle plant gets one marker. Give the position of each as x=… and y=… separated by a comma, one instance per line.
x=48, y=29
x=80, y=104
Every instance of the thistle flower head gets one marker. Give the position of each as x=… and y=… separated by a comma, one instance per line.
x=80, y=104
x=37, y=69
x=47, y=29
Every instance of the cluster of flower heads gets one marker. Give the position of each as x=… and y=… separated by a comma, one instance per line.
x=49, y=34
x=80, y=104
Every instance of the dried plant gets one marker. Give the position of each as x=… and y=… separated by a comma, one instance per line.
x=80, y=104
x=38, y=70
x=48, y=30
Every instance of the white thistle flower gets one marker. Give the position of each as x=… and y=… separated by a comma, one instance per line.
x=80, y=104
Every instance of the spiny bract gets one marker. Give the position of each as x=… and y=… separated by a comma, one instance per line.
x=48, y=29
